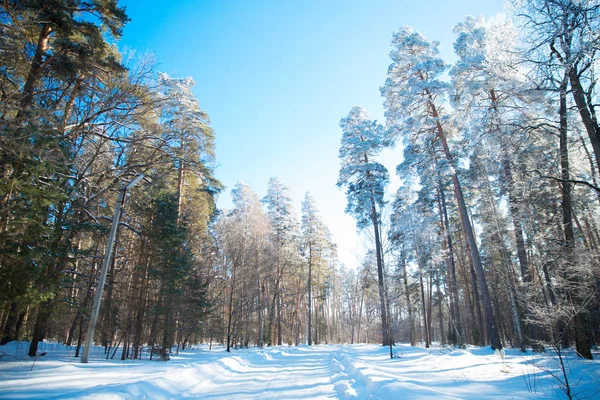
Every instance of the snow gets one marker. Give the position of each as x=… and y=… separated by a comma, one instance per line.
x=303, y=372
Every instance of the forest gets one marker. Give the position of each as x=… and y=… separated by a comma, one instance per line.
x=492, y=238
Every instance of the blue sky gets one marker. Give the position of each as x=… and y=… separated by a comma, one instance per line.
x=276, y=77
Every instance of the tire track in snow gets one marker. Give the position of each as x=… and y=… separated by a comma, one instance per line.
x=342, y=382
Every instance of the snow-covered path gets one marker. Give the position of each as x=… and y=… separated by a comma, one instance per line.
x=277, y=373
x=282, y=372
x=299, y=373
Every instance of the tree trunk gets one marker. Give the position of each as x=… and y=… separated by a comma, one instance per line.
x=440, y=314
x=142, y=299
x=515, y=214
x=424, y=307
x=477, y=307
x=581, y=342
x=592, y=166
x=310, y=297
x=20, y=322
x=380, y=277
x=180, y=177
x=360, y=308
x=279, y=305
x=10, y=325
x=41, y=323
x=79, y=338
x=408, y=302
x=565, y=173
x=261, y=317
x=230, y=308
x=352, y=308
x=451, y=265
x=273, y=309
x=36, y=67
x=588, y=118
x=109, y=320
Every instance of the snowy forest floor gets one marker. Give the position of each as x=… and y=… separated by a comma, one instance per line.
x=282, y=372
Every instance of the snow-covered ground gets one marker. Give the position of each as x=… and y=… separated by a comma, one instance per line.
x=327, y=371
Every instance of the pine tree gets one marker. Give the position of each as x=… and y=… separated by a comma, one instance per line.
x=365, y=181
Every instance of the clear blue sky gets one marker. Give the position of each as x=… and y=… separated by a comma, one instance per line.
x=277, y=76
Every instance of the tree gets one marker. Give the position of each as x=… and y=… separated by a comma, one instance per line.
x=187, y=134
x=313, y=242
x=365, y=182
x=284, y=224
